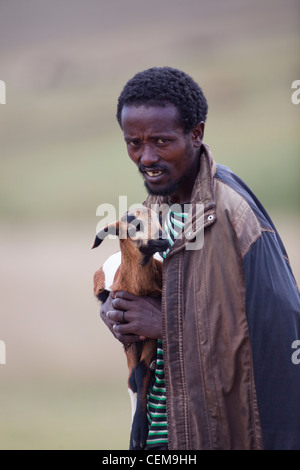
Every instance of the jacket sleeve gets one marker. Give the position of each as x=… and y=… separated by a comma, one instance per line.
x=273, y=315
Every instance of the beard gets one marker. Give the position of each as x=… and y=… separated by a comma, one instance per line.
x=169, y=189
x=173, y=186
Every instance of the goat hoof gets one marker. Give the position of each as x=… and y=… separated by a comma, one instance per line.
x=134, y=445
x=139, y=434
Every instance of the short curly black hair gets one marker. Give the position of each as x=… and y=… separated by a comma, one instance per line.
x=160, y=86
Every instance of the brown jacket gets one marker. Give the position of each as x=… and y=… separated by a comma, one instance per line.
x=209, y=372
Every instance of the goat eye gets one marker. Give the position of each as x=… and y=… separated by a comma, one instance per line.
x=131, y=231
x=135, y=227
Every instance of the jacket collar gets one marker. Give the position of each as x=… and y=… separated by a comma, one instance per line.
x=203, y=191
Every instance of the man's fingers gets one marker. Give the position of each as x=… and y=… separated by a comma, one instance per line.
x=121, y=294
x=125, y=338
x=116, y=316
x=121, y=304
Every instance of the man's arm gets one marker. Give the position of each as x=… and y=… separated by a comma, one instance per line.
x=273, y=314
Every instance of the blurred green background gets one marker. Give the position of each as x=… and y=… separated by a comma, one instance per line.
x=62, y=154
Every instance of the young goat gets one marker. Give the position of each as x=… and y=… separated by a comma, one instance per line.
x=139, y=273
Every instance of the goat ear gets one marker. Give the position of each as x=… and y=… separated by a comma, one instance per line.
x=111, y=229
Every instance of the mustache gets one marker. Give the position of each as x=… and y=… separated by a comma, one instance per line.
x=142, y=168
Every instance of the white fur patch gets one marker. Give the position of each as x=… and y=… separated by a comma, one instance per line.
x=133, y=400
x=110, y=267
x=158, y=257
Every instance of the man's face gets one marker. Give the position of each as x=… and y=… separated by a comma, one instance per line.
x=164, y=154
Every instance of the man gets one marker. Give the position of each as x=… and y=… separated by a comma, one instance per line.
x=229, y=317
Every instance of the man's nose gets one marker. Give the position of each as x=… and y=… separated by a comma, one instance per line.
x=148, y=156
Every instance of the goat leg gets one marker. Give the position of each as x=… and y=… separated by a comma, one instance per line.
x=139, y=379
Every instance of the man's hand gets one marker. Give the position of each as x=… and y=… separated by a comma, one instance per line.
x=141, y=319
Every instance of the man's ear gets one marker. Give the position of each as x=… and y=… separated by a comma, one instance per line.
x=198, y=134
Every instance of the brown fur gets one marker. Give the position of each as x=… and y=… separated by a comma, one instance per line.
x=99, y=282
x=139, y=278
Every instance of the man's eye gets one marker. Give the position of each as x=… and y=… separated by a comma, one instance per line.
x=161, y=141
x=134, y=143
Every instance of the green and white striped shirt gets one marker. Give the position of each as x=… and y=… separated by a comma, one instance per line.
x=156, y=402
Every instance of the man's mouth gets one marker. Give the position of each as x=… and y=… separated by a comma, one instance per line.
x=153, y=173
